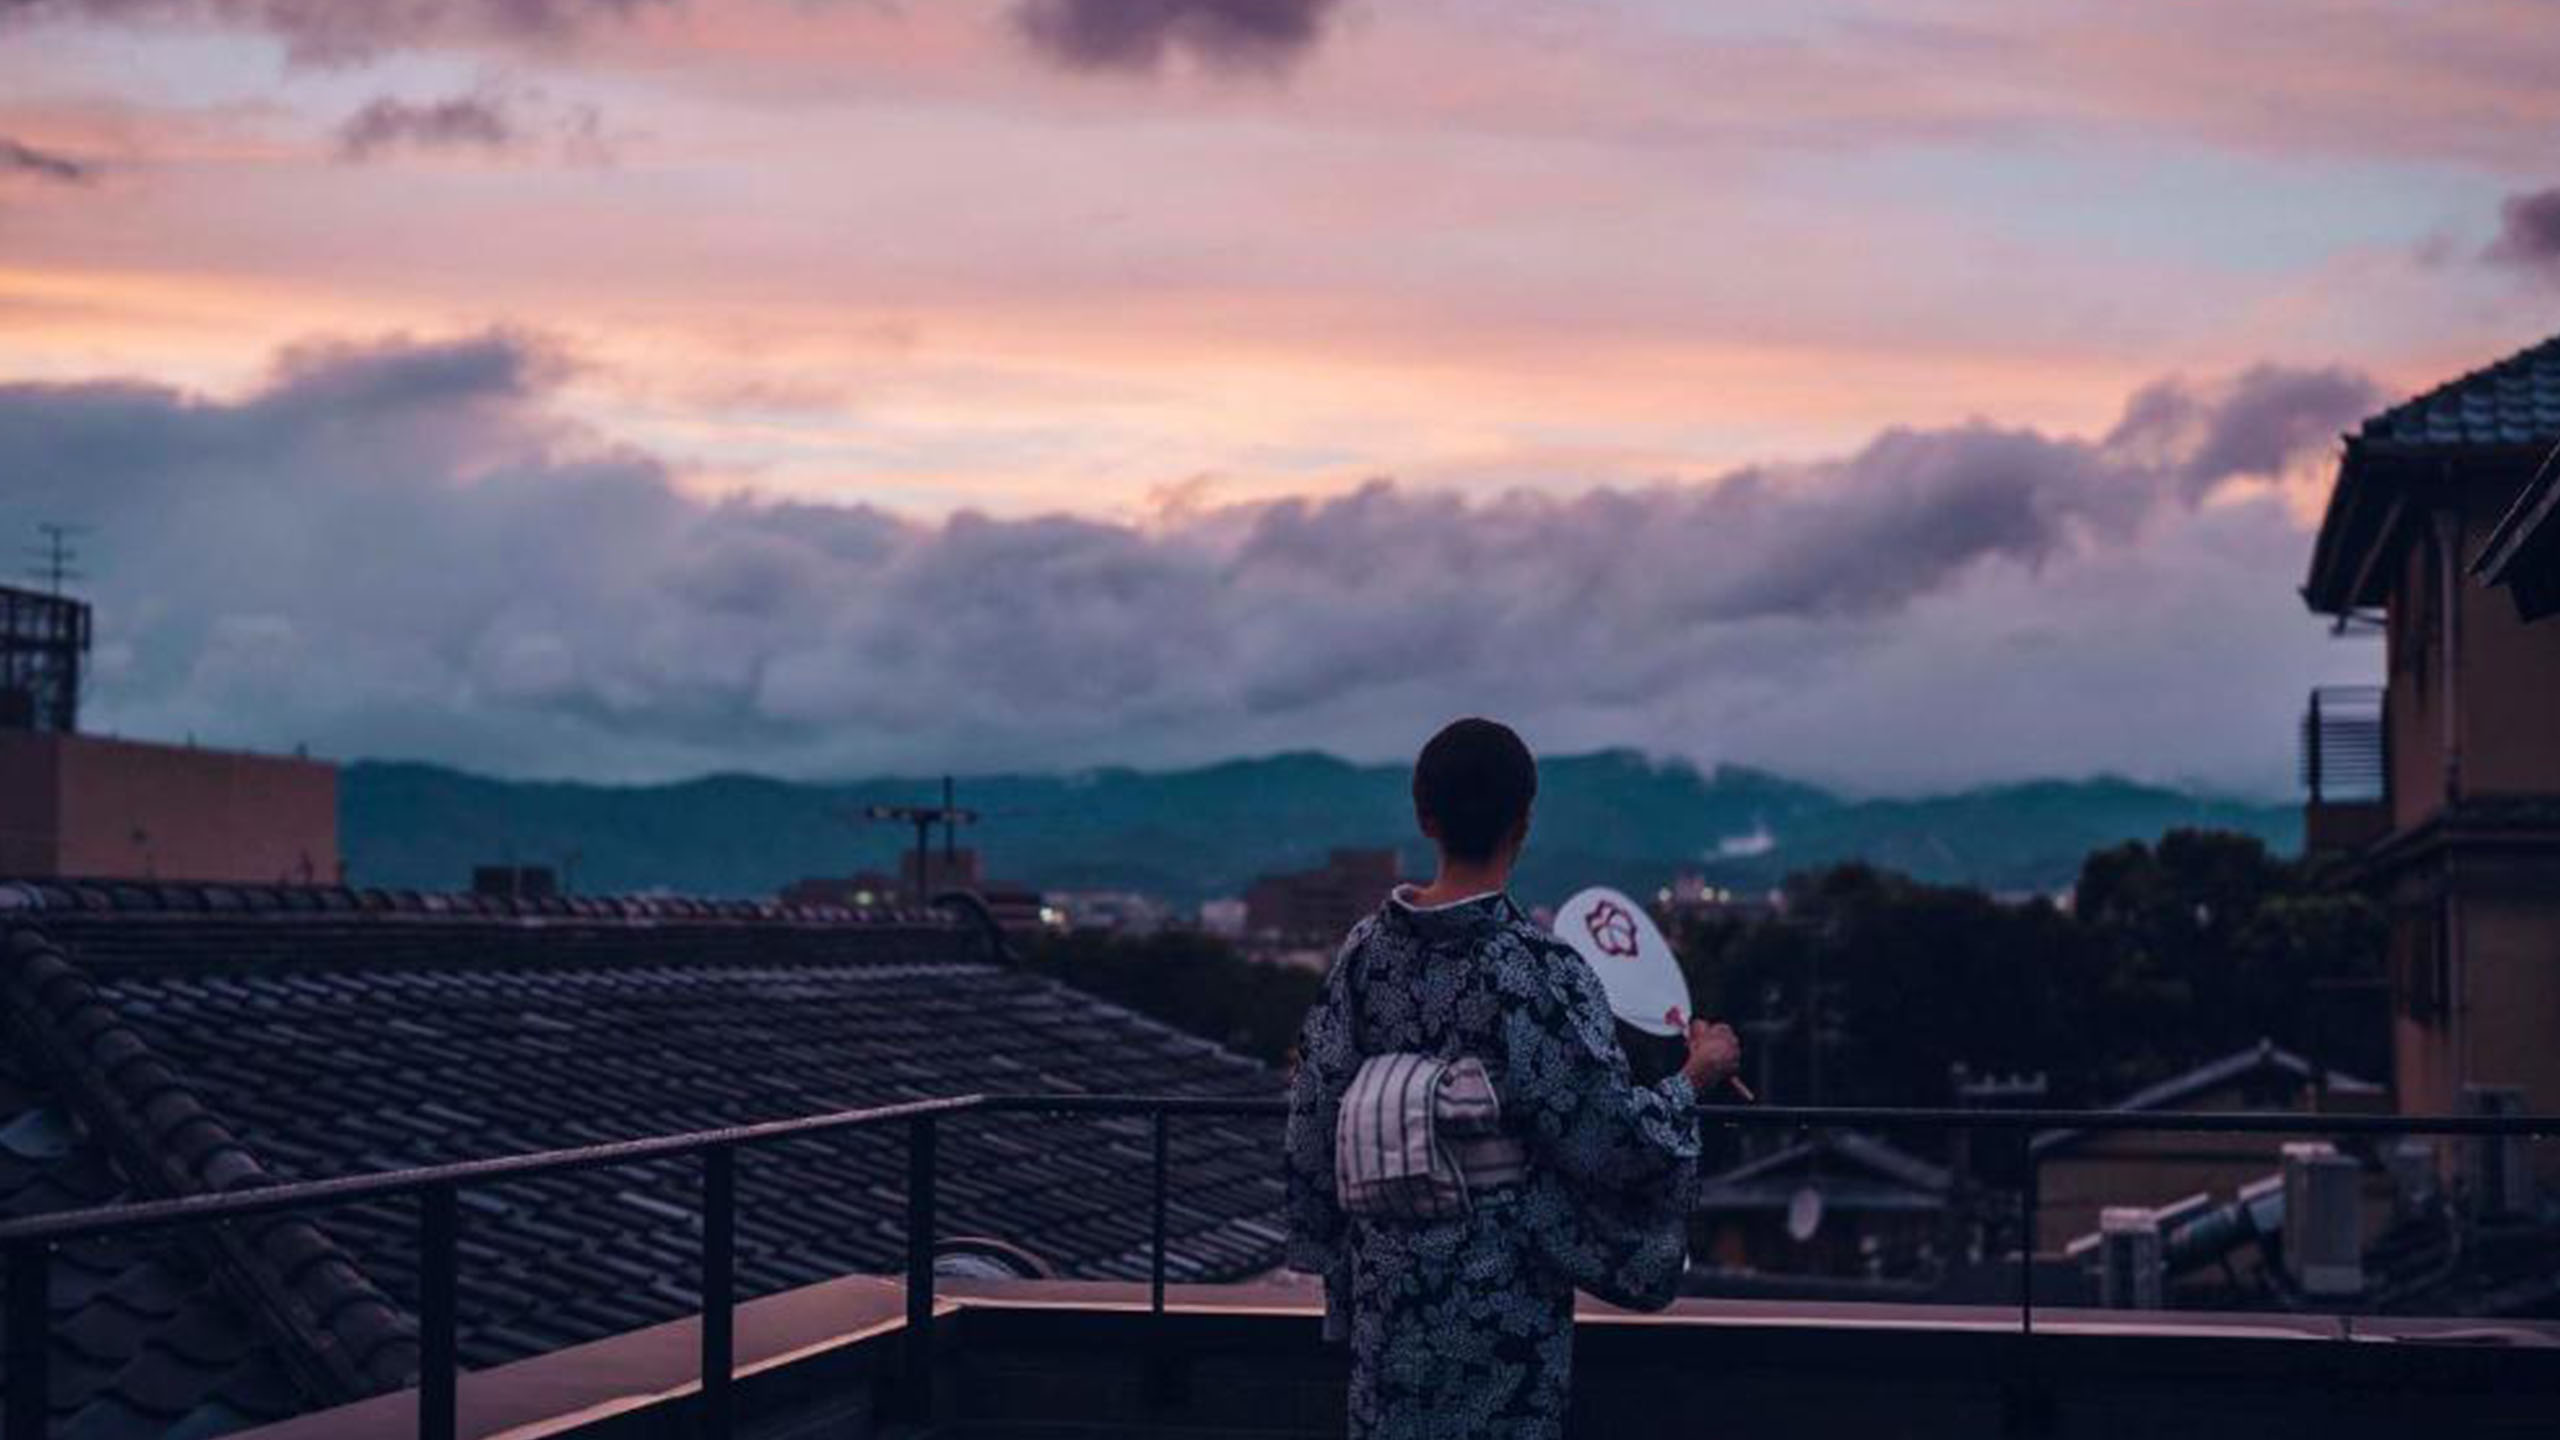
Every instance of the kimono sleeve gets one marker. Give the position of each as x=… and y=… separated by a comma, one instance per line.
x=1569, y=1091
x=1327, y=1058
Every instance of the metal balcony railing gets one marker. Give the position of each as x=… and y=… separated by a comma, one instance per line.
x=2346, y=751
x=28, y=1244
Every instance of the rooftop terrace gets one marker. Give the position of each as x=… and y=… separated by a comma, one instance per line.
x=303, y=1165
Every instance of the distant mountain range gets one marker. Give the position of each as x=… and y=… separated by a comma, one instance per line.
x=1187, y=835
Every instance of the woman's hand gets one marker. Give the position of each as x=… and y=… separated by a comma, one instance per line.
x=1715, y=1052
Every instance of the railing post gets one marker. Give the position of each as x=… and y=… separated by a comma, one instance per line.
x=439, y=1221
x=919, y=1336
x=30, y=1328
x=719, y=1289
x=2028, y=1204
x=1155, y=1252
x=2029, y=1410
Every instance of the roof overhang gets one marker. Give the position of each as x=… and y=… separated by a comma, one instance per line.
x=2523, y=553
x=2382, y=486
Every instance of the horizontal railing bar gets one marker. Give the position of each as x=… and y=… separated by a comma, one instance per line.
x=1233, y=1106
x=66, y=1225
x=2199, y=1122
x=344, y=1189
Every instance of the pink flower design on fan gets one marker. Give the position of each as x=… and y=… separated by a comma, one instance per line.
x=1612, y=929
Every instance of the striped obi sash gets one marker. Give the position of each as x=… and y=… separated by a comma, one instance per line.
x=1416, y=1136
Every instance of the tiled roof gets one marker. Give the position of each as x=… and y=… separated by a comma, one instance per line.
x=2513, y=402
x=142, y=1341
x=1863, y=1171
x=2264, y=1061
x=338, y=1037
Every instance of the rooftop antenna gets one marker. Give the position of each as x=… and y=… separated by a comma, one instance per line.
x=57, y=559
x=924, y=817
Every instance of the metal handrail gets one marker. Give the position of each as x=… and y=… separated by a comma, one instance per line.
x=28, y=1244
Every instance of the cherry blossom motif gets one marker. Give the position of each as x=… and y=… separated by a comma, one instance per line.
x=1613, y=929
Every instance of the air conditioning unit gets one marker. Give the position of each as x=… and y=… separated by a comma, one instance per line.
x=2323, y=1229
x=2129, y=1258
x=2497, y=1169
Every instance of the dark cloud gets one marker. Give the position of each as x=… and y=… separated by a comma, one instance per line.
x=343, y=31
x=397, y=549
x=1139, y=35
x=21, y=159
x=2248, y=426
x=490, y=121
x=463, y=122
x=2529, y=232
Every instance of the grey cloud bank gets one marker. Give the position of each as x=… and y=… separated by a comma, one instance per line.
x=396, y=549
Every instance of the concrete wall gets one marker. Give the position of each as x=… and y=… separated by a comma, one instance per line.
x=2511, y=947
x=30, y=804
x=79, y=805
x=2509, y=681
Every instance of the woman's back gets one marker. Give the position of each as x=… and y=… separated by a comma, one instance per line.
x=1462, y=1326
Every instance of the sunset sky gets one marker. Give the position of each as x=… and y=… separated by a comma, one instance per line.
x=1900, y=393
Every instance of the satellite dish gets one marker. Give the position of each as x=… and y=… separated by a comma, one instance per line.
x=1623, y=946
x=1804, y=1214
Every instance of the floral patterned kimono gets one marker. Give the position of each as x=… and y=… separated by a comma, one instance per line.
x=1464, y=1326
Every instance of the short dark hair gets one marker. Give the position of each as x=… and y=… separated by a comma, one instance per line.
x=1474, y=782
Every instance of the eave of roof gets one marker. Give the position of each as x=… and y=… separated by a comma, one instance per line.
x=1879, y=1157
x=2523, y=552
x=2506, y=414
x=2213, y=1074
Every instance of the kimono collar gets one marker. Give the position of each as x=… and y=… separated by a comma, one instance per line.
x=1457, y=920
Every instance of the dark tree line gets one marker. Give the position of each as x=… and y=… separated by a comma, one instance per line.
x=2165, y=957
x=2168, y=955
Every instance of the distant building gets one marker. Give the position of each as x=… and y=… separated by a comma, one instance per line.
x=1839, y=1204
x=2441, y=791
x=44, y=643
x=515, y=882
x=80, y=805
x=85, y=806
x=1691, y=898
x=861, y=890
x=1319, y=906
x=1018, y=910
x=2081, y=1173
x=1112, y=912
x=1226, y=917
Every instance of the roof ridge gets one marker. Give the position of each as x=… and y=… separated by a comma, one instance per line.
x=339, y=1333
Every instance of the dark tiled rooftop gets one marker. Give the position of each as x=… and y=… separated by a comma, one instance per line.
x=142, y=1341
x=2513, y=402
x=328, y=1036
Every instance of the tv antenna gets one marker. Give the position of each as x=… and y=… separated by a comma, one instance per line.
x=948, y=815
x=57, y=558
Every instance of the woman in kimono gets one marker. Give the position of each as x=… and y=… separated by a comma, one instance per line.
x=1464, y=1326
